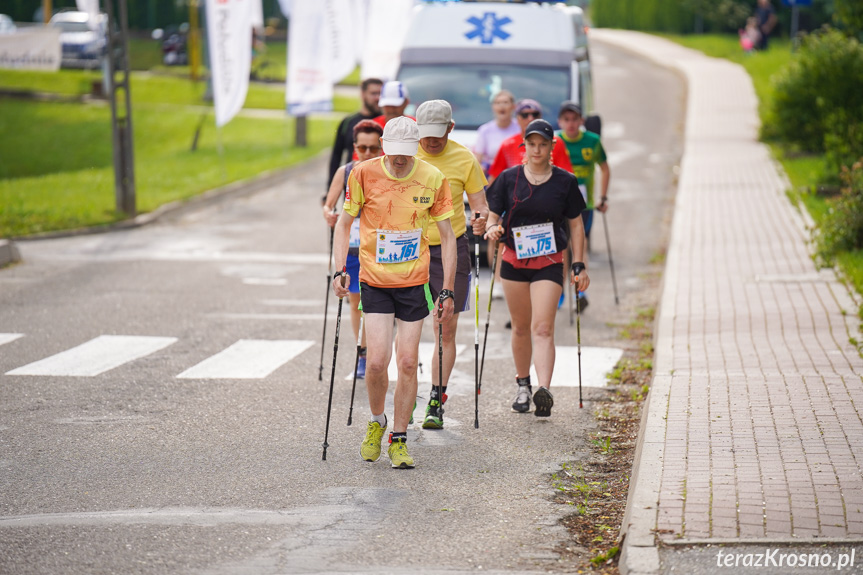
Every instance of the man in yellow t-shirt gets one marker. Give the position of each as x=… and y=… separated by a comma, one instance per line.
x=464, y=173
x=396, y=197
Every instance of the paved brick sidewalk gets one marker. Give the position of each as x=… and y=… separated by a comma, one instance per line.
x=754, y=429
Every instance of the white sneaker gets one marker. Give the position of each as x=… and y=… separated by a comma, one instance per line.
x=497, y=291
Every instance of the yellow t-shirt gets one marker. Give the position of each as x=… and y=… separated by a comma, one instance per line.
x=399, y=204
x=464, y=174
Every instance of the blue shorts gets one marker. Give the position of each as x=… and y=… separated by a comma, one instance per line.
x=353, y=265
x=587, y=218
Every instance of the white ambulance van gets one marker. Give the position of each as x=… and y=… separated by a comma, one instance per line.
x=465, y=52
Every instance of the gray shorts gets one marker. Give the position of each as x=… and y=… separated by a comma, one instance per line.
x=462, y=273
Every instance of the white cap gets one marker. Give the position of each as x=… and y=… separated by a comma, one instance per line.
x=393, y=93
x=434, y=118
x=401, y=137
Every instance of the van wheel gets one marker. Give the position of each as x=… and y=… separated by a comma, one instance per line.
x=593, y=124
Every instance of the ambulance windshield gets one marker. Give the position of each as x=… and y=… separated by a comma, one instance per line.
x=469, y=88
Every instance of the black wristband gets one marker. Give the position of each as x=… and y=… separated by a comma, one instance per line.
x=338, y=274
x=445, y=294
x=577, y=268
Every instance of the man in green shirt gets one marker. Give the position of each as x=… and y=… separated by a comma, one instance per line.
x=585, y=152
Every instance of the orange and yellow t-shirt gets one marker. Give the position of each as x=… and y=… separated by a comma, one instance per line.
x=385, y=202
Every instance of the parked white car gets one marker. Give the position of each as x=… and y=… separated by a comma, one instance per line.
x=83, y=41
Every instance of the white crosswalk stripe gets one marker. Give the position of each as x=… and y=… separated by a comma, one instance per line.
x=96, y=356
x=596, y=363
x=7, y=337
x=248, y=359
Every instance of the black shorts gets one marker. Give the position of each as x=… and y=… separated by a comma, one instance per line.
x=407, y=303
x=553, y=272
x=462, y=273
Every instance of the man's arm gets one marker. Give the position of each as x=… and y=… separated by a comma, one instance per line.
x=605, y=179
x=478, y=203
x=449, y=255
x=337, y=186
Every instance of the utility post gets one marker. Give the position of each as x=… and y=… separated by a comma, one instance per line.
x=121, y=110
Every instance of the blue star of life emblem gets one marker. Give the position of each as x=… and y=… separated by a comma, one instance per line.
x=488, y=27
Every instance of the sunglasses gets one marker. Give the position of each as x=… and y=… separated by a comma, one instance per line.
x=363, y=149
x=530, y=115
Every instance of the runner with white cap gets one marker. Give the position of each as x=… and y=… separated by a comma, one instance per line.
x=394, y=100
x=465, y=176
x=399, y=196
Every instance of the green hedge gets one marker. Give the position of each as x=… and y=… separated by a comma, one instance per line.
x=818, y=104
x=647, y=15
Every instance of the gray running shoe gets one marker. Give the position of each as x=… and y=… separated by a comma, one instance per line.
x=521, y=404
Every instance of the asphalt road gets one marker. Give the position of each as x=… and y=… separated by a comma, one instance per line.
x=163, y=453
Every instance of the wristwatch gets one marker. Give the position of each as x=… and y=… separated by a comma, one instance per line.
x=445, y=294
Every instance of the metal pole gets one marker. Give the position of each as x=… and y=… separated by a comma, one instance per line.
x=121, y=112
x=795, y=24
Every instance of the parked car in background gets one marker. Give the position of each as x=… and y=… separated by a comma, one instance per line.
x=83, y=42
x=7, y=26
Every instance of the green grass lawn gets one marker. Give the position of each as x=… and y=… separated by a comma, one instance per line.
x=69, y=183
x=56, y=171
x=805, y=172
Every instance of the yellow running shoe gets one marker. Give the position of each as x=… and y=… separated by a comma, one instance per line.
x=370, y=450
x=398, y=453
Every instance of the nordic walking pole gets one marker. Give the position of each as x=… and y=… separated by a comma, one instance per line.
x=578, y=336
x=566, y=291
x=610, y=259
x=333, y=374
x=356, y=365
x=440, y=355
x=326, y=305
x=488, y=317
x=476, y=334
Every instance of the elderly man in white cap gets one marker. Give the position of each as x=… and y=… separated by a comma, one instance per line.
x=396, y=197
x=465, y=176
x=394, y=100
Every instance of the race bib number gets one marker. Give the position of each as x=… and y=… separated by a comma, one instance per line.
x=583, y=189
x=395, y=247
x=533, y=241
x=355, y=233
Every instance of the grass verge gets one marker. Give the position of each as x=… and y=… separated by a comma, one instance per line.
x=597, y=486
x=57, y=172
x=806, y=172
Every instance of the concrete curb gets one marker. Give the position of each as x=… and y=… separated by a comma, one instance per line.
x=8, y=253
x=211, y=197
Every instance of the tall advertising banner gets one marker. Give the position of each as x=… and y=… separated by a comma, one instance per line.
x=91, y=7
x=321, y=51
x=309, y=55
x=386, y=26
x=340, y=17
x=229, y=33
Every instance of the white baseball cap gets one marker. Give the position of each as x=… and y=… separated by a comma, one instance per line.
x=434, y=118
x=401, y=137
x=393, y=93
